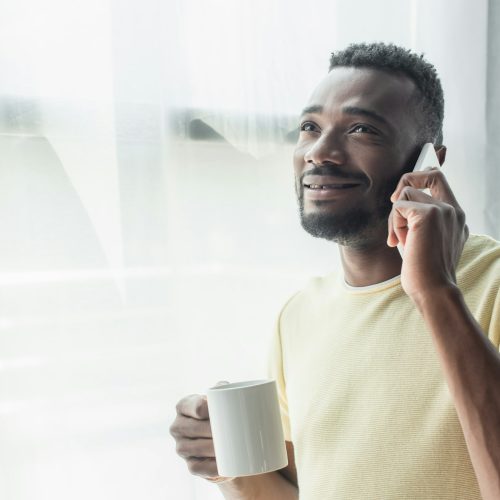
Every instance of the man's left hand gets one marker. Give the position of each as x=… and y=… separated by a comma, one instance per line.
x=431, y=229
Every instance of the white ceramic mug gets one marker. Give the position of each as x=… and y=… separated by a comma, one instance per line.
x=246, y=428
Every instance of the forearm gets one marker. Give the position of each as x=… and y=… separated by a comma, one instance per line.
x=270, y=486
x=471, y=366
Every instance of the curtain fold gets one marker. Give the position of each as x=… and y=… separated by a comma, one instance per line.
x=492, y=105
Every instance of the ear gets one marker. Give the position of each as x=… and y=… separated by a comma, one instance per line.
x=441, y=154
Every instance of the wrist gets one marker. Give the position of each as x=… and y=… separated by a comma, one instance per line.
x=240, y=488
x=220, y=479
x=435, y=297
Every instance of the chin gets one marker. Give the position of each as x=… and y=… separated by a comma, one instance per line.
x=357, y=229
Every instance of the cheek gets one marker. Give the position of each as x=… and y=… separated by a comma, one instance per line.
x=298, y=155
x=298, y=152
x=299, y=166
x=381, y=166
x=298, y=161
x=385, y=178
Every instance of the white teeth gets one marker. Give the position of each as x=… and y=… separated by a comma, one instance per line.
x=328, y=186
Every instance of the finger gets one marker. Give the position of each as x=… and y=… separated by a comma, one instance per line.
x=221, y=382
x=194, y=406
x=187, y=427
x=431, y=178
x=392, y=240
x=412, y=194
x=199, y=448
x=204, y=467
x=405, y=211
x=400, y=227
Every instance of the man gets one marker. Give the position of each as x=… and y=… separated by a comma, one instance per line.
x=388, y=375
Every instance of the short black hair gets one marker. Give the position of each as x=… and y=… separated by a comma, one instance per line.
x=391, y=58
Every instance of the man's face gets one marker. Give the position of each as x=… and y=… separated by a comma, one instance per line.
x=359, y=134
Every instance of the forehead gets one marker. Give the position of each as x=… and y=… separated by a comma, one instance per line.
x=385, y=93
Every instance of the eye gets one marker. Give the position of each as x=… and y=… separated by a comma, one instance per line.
x=362, y=129
x=309, y=127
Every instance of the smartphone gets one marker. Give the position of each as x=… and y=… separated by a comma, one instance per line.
x=426, y=158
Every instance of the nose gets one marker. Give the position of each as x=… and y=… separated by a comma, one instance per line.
x=326, y=150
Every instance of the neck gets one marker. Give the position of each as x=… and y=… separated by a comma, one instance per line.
x=370, y=265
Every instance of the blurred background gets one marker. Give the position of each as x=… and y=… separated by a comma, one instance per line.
x=149, y=233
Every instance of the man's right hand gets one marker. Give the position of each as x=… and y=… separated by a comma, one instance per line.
x=193, y=436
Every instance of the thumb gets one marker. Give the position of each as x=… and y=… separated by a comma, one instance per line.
x=221, y=382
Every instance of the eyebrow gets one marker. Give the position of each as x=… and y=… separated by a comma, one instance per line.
x=354, y=110
x=349, y=110
x=315, y=108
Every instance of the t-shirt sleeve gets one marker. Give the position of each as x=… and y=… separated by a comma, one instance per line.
x=275, y=371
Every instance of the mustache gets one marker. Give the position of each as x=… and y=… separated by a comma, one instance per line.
x=335, y=171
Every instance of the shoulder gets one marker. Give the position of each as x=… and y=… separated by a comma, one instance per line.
x=480, y=259
x=478, y=277
x=316, y=290
x=481, y=245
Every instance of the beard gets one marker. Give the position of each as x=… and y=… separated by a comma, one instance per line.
x=356, y=227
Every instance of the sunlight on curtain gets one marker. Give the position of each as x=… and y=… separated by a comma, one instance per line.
x=149, y=227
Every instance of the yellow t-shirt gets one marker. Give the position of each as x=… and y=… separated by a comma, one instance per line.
x=362, y=394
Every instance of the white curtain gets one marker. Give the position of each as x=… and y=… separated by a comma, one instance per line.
x=148, y=227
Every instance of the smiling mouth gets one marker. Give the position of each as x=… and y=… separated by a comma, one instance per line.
x=319, y=187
